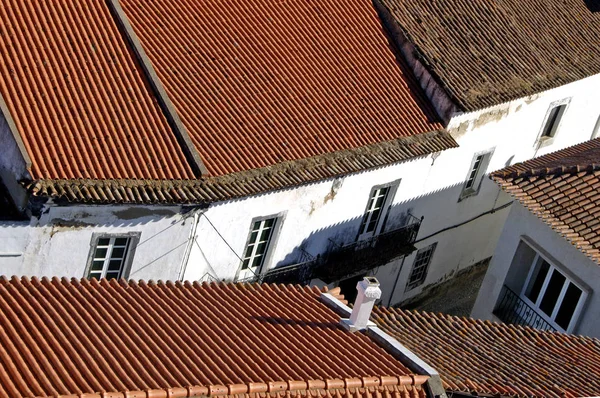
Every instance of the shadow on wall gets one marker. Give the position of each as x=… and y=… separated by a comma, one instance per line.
x=441, y=210
x=113, y=216
x=326, y=240
x=593, y=5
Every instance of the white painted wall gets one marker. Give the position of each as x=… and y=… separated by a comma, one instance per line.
x=314, y=213
x=522, y=223
x=58, y=244
x=429, y=188
x=14, y=237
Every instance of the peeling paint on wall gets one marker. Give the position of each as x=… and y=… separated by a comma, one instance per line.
x=335, y=187
x=491, y=116
x=461, y=130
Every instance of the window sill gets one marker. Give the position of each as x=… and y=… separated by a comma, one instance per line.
x=545, y=141
x=467, y=194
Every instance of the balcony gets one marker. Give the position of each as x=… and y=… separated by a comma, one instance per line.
x=347, y=260
x=512, y=309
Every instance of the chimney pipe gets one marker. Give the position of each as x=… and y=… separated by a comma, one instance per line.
x=368, y=292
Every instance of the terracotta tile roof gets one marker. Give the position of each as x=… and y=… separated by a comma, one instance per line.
x=482, y=357
x=489, y=52
x=62, y=337
x=77, y=97
x=244, y=183
x=257, y=87
x=562, y=188
x=257, y=83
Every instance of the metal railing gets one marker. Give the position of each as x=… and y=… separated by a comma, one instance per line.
x=514, y=310
x=346, y=260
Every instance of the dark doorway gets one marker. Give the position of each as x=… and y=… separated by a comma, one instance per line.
x=8, y=210
x=348, y=287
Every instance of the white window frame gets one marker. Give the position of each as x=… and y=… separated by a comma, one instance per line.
x=545, y=140
x=389, y=192
x=553, y=268
x=430, y=250
x=477, y=170
x=270, y=243
x=126, y=261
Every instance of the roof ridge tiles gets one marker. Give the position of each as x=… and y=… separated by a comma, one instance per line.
x=273, y=387
x=505, y=33
x=546, y=171
x=177, y=89
x=155, y=334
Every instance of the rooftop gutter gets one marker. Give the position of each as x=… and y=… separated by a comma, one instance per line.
x=393, y=346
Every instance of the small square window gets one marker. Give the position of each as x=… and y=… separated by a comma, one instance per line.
x=111, y=256
x=420, y=267
x=475, y=175
x=596, y=129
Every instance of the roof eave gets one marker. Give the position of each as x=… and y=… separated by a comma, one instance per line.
x=246, y=183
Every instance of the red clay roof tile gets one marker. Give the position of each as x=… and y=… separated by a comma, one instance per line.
x=77, y=96
x=561, y=188
x=481, y=357
x=244, y=183
x=488, y=52
x=257, y=83
x=61, y=337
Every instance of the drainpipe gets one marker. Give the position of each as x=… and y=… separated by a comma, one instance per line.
x=188, y=248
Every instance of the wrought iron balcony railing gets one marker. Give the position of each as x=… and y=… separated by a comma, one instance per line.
x=347, y=260
x=514, y=310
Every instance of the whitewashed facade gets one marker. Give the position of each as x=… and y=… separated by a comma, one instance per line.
x=525, y=242
x=175, y=242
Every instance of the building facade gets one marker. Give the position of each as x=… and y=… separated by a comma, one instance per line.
x=545, y=271
x=380, y=171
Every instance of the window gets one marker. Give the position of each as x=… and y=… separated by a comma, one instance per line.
x=553, y=121
x=420, y=267
x=374, y=209
x=261, y=233
x=375, y=216
x=475, y=175
x=552, y=294
x=474, y=172
x=111, y=256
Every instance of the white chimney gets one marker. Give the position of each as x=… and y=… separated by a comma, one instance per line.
x=368, y=292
